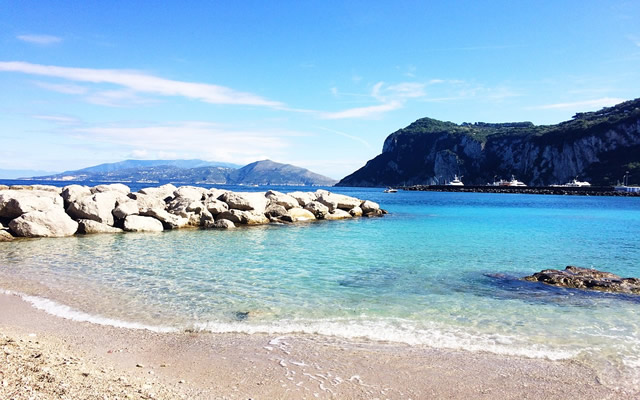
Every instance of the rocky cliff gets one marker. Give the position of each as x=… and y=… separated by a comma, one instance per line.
x=595, y=146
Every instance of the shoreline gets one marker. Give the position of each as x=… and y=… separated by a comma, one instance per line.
x=143, y=364
x=545, y=190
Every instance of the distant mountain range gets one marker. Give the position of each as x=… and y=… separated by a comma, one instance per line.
x=265, y=172
x=600, y=147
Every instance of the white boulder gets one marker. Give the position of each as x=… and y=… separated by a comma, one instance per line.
x=192, y=193
x=89, y=226
x=98, y=207
x=246, y=201
x=72, y=193
x=113, y=187
x=138, y=223
x=333, y=200
x=337, y=214
x=303, y=198
x=282, y=199
x=14, y=203
x=168, y=220
x=53, y=222
x=163, y=192
x=318, y=209
x=298, y=214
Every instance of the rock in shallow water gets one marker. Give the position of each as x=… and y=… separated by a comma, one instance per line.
x=53, y=222
x=586, y=278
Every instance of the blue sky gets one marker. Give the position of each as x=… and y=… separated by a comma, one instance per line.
x=315, y=84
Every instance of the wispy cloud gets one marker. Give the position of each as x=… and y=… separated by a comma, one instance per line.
x=40, y=39
x=348, y=136
x=144, y=83
x=193, y=139
x=391, y=97
x=63, y=87
x=59, y=119
x=597, y=103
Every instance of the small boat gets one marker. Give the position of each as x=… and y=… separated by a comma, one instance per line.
x=390, y=190
x=574, y=183
x=512, y=182
x=456, y=181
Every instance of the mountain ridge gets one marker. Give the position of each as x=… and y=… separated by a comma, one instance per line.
x=262, y=172
x=599, y=146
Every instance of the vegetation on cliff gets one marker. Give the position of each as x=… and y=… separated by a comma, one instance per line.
x=599, y=146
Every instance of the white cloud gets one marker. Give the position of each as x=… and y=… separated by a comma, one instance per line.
x=63, y=88
x=361, y=112
x=191, y=140
x=117, y=98
x=344, y=134
x=143, y=83
x=60, y=119
x=597, y=103
x=391, y=97
x=40, y=39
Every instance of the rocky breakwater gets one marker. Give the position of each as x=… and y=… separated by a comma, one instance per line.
x=586, y=278
x=49, y=211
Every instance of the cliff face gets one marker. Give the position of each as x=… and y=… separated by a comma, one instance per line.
x=598, y=146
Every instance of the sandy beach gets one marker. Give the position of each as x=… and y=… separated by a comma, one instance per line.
x=46, y=357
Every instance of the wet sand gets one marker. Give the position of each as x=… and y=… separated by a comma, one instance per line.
x=46, y=357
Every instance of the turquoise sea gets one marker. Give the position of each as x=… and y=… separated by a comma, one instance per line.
x=440, y=270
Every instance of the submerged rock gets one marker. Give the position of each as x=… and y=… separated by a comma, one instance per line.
x=5, y=236
x=586, y=278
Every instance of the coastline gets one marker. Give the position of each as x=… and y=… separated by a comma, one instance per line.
x=45, y=354
x=548, y=190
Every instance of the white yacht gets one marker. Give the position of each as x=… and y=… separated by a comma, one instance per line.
x=456, y=181
x=512, y=182
x=390, y=190
x=577, y=183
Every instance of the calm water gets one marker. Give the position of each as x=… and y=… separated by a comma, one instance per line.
x=420, y=275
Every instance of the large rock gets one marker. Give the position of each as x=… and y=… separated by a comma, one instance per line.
x=192, y=193
x=53, y=222
x=585, y=278
x=282, y=199
x=215, y=207
x=88, y=226
x=298, y=214
x=303, y=198
x=243, y=217
x=125, y=209
x=145, y=201
x=337, y=214
x=163, y=192
x=98, y=207
x=356, y=212
x=333, y=200
x=138, y=223
x=220, y=224
x=369, y=206
x=318, y=209
x=4, y=187
x=275, y=211
x=14, y=203
x=113, y=187
x=48, y=188
x=72, y=193
x=168, y=220
x=246, y=201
